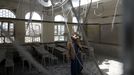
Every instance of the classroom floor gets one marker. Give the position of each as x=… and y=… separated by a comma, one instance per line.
x=109, y=66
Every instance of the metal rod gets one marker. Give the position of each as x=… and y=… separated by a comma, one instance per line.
x=91, y=50
x=41, y=21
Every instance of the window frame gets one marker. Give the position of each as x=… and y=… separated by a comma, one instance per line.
x=6, y=13
x=58, y=28
x=32, y=25
x=8, y=31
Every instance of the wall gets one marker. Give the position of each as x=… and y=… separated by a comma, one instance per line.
x=20, y=12
x=100, y=36
x=104, y=38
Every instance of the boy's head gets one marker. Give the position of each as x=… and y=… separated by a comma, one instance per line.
x=75, y=36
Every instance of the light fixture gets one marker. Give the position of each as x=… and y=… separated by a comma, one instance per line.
x=45, y=3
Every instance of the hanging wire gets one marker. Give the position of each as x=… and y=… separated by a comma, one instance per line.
x=20, y=2
x=85, y=10
x=68, y=12
x=69, y=34
x=31, y=14
x=86, y=16
x=36, y=7
x=78, y=19
x=30, y=18
x=23, y=51
x=29, y=23
x=66, y=24
x=42, y=16
x=54, y=28
x=115, y=12
x=85, y=69
x=81, y=28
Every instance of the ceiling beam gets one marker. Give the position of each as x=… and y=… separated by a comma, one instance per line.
x=42, y=21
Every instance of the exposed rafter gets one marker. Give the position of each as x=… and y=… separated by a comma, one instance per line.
x=26, y=20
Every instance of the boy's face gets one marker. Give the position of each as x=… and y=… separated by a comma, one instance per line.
x=75, y=36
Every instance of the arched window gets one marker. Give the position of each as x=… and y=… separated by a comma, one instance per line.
x=6, y=13
x=59, y=29
x=6, y=25
x=33, y=29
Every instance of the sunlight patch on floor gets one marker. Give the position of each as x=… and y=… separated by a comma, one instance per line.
x=112, y=67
